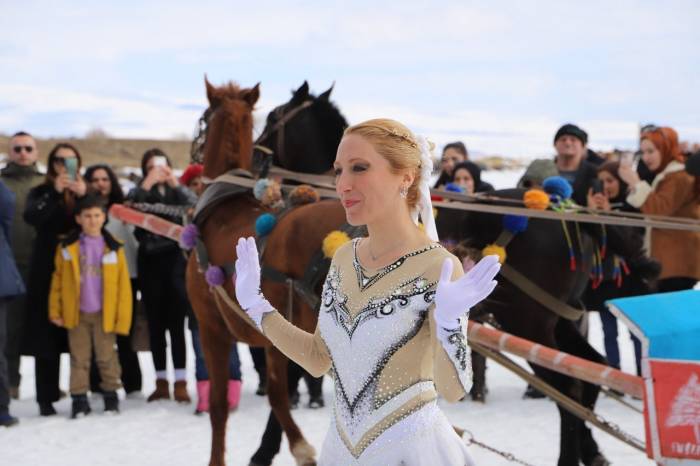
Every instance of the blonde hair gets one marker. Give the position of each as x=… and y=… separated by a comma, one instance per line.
x=397, y=144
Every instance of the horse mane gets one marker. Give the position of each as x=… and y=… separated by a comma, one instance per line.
x=332, y=122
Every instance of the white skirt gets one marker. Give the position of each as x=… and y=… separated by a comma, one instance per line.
x=424, y=438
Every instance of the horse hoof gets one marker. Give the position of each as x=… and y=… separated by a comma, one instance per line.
x=478, y=396
x=316, y=403
x=304, y=453
x=598, y=460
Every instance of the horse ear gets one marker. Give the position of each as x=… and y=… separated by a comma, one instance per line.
x=327, y=95
x=251, y=96
x=302, y=93
x=212, y=96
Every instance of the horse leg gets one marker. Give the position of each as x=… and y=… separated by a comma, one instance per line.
x=278, y=394
x=216, y=344
x=572, y=342
x=272, y=437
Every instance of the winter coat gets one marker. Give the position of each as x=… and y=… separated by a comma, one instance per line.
x=21, y=180
x=11, y=283
x=47, y=213
x=64, y=300
x=672, y=193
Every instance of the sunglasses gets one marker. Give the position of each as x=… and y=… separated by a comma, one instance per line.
x=27, y=149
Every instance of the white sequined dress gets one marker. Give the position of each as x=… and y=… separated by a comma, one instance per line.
x=377, y=336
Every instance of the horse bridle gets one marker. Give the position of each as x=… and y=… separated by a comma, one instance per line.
x=278, y=128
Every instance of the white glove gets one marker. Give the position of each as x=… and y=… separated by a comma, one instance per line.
x=247, y=282
x=454, y=299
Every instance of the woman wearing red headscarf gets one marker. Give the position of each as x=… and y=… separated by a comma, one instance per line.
x=673, y=193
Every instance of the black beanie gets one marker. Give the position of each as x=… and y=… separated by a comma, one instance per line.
x=572, y=130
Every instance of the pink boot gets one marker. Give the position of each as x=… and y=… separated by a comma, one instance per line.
x=202, y=397
x=234, y=394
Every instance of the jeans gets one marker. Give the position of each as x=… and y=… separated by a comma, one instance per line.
x=612, y=350
x=201, y=373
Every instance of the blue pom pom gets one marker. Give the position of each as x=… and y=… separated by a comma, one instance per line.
x=515, y=223
x=558, y=187
x=264, y=224
x=455, y=188
x=260, y=187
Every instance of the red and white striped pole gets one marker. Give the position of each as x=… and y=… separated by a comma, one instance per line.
x=556, y=360
x=146, y=221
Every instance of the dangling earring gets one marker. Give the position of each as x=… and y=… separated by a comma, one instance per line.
x=403, y=192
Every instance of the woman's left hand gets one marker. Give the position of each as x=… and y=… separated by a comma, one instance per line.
x=453, y=299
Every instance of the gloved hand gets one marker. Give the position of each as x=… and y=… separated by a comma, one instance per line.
x=454, y=299
x=247, y=281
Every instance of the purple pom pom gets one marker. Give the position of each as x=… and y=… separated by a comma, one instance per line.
x=215, y=276
x=188, y=238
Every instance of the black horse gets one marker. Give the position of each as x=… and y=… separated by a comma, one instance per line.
x=541, y=254
x=304, y=133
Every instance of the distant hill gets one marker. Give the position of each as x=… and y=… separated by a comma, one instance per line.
x=116, y=152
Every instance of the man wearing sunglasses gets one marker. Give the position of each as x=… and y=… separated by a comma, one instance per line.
x=20, y=175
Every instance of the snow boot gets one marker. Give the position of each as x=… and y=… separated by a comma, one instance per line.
x=162, y=391
x=111, y=402
x=7, y=420
x=46, y=409
x=202, y=397
x=180, y=392
x=234, y=394
x=80, y=406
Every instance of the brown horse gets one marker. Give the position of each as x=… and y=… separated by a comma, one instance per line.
x=289, y=249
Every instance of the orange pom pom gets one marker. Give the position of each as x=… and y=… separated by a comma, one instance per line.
x=536, y=199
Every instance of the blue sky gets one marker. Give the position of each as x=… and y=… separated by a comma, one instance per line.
x=500, y=75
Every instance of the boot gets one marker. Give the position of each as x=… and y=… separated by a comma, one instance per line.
x=294, y=400
x=14, y=393
x=180, y=392
x=80, y=406
x=46, y=409
x=162, y=391
x=316, y=402
x=262, y=386
x=234, y=394
x=202, y=396
x=8, y=420
x=532, y=393
x=111, y=402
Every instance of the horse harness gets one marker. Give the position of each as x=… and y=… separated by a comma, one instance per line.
x=239, y=182
x=278, y=128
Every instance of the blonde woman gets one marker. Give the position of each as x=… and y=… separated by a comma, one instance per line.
x=392, y=324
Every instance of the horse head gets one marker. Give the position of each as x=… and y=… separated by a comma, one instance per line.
x=226, y=134
x=303, y=134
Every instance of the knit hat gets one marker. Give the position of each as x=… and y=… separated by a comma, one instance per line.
x=191, y=172
x=572, y=130
x=537, y=172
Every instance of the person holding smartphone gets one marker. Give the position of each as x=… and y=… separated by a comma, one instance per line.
x=619, y=278
x=161, y=268
x=674, y=193
x=49, y=209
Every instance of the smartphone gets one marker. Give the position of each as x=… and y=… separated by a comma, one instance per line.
x=72, y=168
x=597, y=186
x=160, y=161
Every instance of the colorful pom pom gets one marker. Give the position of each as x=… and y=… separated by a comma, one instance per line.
x=260, y=188
x=494, y=249
x=558, y=187
x=333, y=241
x=188, y=238
x=215, y=275
x=264, y=224
x=515, y=223
x=536, y=199
x=303, y=194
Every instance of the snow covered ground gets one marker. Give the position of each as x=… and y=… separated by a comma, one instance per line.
x=166, y=433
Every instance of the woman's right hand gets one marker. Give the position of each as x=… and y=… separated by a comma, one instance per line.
x=597, y=201
x=247, y=281
x=61, y=182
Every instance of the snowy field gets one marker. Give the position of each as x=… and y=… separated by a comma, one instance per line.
x=164, y=433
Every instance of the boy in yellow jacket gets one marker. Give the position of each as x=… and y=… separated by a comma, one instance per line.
x=91, y=297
